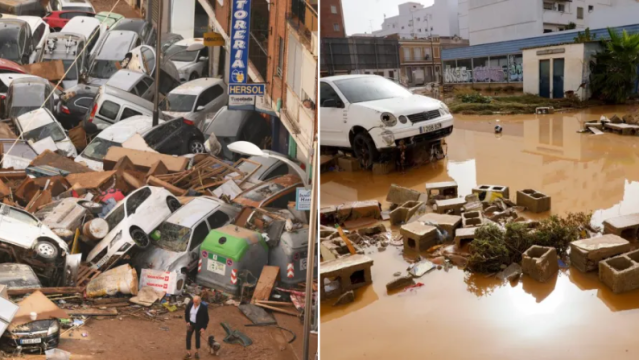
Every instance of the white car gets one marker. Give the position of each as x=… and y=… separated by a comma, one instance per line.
x=40, y=124
x=130, y=223
x=197, y=100
x=369, y=114
x=39, y=31
x=22, y=229
x=190, y=64
x=114, y=135
x=91, y=28
x=70, y=5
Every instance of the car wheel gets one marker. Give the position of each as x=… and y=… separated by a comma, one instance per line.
x=193, y=76
x=173, y=204
x=46, y=250
x=196, y=147
x=94, y=208
x=365, y=150
x=139, y=237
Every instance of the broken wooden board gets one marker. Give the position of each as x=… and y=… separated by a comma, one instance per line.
x=59, y=162
x=595, y=130
x=46, y=291
x=143, y=160
x=92, y=180
x=93, y=312
x=50, y=70
x=265, y=284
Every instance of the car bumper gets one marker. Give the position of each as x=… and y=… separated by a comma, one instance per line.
x=425, y=131
x=46, y=342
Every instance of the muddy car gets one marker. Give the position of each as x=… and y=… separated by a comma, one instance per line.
x=276, y=193
x=176, y=242
x=130, y=223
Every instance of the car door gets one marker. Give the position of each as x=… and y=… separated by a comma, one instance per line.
x=173, y=140
x=218, y=94
x=139, y=207
x=197, y=238
x=18, y=227
x=209, y=99
x=333, y=111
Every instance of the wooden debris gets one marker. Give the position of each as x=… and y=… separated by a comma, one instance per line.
x=158, y=169
x=207, y=173
x=85, y=275
x=46, y=291
x=93, y=312
x=277, y=309
x=152, y=180
x=265, y=284
x=595, y=130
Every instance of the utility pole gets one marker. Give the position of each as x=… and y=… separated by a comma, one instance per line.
x=158, y=55
x=310, y=262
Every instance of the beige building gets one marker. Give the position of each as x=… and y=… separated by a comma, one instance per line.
x=420, y=59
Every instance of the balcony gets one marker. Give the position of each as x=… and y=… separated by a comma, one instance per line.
x=303, y=18
x=558, y=17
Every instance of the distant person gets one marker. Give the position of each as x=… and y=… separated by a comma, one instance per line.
x=196, y=315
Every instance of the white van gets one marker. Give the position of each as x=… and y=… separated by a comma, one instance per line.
x=40, y=124
x=112, y=105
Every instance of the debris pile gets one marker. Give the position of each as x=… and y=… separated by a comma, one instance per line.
x=626, y=125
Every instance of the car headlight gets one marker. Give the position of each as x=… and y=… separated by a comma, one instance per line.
x=389, y=119
x=403, y=119
x=444, y=108
x=53, y=328
x=117, y=237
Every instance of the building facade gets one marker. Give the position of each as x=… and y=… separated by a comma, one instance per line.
x=360, y=55
x=416, y=21
x=420, y=59
x=489, y=21
x=332, y=19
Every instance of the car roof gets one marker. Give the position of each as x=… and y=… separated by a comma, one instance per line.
x=128, y=24
x=187, y=42
x=35, y=119
x=33, y=21
x=121, y=131
x=127, y=96
x=83, y=25
x=197, y=86
x=8, y=64
x=75, y=2
x=343, y=77
x=15, y=22
x=266, y=162
x=12, y=76
x=116, y=44
x=124, y=79
x=111, y=15
x=193, y=211
x=30, y=80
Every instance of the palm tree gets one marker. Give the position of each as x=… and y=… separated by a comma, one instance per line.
x=614, y=70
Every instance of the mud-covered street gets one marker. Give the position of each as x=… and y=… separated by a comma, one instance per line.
x=459, y=315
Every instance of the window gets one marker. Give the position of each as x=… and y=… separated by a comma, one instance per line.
x=115, y=217
x=391, y=74
x=427, y=54
x=218, y=219
x=200, y=233
x=334, y=9
x=419, y=30
x=141, y=87
x=561, y=7
x=327, y=93
x=580, y=13
x=546, y=31
x=84, y=102
x=417, y=19
x=134, y=201
x=418, y=53
x=591, y=8
x=280, y=60
x=127, y=113
x=393, y=26
x=281, y=200
x=148, y=81
x=407, y=54
x=336, y=27
x=109, y=110
x=548, y=6
x=38, y=33
x=436, y=55
x=410, y=22
x=22, y=216
x=209, y=95
x=402, y=28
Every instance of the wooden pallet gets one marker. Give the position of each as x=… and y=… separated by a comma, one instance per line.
x=86, y=274
x=207, y=173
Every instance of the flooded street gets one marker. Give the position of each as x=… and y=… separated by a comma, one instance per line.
x=456, y=315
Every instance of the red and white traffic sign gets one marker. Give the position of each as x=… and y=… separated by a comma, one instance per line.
x=290, y=270
x=234, y=276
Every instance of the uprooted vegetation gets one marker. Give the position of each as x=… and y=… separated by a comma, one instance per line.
x=494, y=248
x=466, y=102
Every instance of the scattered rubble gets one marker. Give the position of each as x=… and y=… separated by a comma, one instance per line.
x=400, y=195
x=585, y=255
x=345, y=298
x=441, y=191
x=400, y=283
x=620, y=273
x=344, y=274
x=406, y=212
x=540, y=263
x=534, y=201
x=626, y=226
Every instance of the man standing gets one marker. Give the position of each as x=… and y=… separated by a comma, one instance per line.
x=196, y=315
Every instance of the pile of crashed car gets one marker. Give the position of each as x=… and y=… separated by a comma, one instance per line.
x=88, y=185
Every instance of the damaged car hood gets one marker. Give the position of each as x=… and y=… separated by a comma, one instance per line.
x=402, y=106
x=156, y=258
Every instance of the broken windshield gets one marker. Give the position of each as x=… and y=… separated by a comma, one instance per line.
x=98, y=148
x=173, y=237
x=264, y=192
x=50, y=130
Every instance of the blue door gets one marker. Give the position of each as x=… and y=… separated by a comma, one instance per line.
x=544, y=78
x=557, y=78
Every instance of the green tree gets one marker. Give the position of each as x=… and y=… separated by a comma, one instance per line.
x=585, y=36
x=571, y=25
x=614, y=69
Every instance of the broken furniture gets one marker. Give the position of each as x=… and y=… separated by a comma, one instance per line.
x=450, y=206
x=626, y=226
x=533, y=200
x=586, y=254
x=418, y=236
x=403, y=213
x=344, y=274
x=472, y=219
x=540, y=262
x=491, y=192
x=621, y=273
x=441, y=191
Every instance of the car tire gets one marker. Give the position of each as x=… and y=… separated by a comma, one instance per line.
x=93, y=207
x=193, y=76
x=46, y=250
x=365, y=150
x=173, y=204
x=139, y=237
x=196, y=147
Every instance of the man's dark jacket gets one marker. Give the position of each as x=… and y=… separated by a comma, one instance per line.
x=202, y=317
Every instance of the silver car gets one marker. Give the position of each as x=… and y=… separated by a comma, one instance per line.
x=136, y=83
x=176, y=242
x=109, y=53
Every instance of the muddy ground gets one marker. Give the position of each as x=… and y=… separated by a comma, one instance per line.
x=457, y=315
x=122, y=8
x=133, y=338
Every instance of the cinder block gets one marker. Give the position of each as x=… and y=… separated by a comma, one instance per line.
x=585, y=255
x=464, y=235
x=453, y=206
x=540, y=262
x=441, y=191
x=348, y=164
x=620, y=273
x=626, y=226
x=344, y=274
x=444, y=222
x=406, y=211
x=472, y=219
x=399, y=194
x=533, y=200
x=491, y=192
x=418, y=236
x=383, y=168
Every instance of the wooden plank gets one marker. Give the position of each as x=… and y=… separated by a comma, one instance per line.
x=276, y=303
x=46, y=291
x=265, y=284
x=109, y=301
x=93, y=312
x=152, y=180
x=273, y=308
x=595, y=130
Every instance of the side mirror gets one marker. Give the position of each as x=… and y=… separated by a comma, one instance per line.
x=199, y=108
x=204, y=58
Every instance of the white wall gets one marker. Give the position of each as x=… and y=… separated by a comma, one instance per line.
x=501, y=20
x=574, y=63
x=627, y=13
x=182, y=17
x=442, y=16
x=463, y=18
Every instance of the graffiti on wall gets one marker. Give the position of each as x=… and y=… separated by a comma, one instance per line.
x=488, y=74
x=458, y=75
x=516, y=71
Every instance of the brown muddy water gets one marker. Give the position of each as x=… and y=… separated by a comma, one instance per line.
x=456, y=315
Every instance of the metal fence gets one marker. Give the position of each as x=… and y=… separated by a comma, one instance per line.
x=348, y=54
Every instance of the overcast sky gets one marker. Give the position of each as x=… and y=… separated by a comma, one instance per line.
x=365, y=15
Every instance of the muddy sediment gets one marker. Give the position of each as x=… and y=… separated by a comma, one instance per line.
x=491, y=318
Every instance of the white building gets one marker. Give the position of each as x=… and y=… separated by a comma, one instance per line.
x=488, y=21
x=416, y=21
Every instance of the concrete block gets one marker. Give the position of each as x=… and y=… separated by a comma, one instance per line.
x=418, y=236
x=400, y=283
x=620, y=273
x=344, y=274
x=359, y=209
x=383, y=168
x=472, y=219
x=453, y=206
x=445, y=222
x=491, y=192
x=585, y=255
x=406, y=211
x=463, y=236
x=540, y=262
x=441, y=191
x=399, y=194
x=348, y=164
x=626, y=226
x=533, y=200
